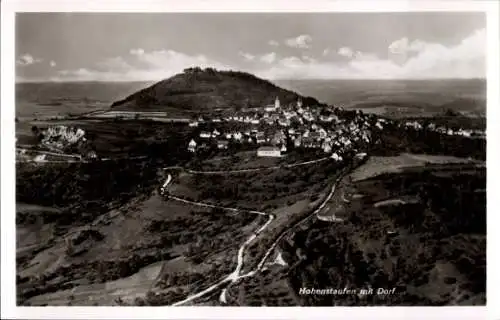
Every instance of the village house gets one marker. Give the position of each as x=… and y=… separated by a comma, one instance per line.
x=39, y=158
x=237, y=136
x=284, y=122
x=307, y=142
x=336, y=157
x=315, y=135
x=327, y=147
x=260, y=137
x=222, y=144
x=268, y=152
x=322, y=133
x=192, y=146
x=205, y=134
x=279, y=137
x=297, y=142
x=361, y=155
x=92, y=155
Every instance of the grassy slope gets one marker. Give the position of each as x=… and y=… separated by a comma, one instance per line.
x=208, y=90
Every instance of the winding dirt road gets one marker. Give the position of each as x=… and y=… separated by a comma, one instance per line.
x=236, y=274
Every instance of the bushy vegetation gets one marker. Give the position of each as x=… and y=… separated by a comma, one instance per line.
x=84, y=190
x=446, y=228
x=257, y=190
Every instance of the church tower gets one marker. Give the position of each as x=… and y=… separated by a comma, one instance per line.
x=277, y=103
x=299, y=103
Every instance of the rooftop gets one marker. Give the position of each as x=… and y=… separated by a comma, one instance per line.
x=268, y=148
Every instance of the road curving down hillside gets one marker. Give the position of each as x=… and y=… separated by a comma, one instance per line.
x=236, y=274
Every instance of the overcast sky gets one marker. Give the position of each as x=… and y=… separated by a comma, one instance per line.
x=149, y=46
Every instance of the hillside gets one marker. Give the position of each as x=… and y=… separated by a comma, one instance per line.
x=202, y=90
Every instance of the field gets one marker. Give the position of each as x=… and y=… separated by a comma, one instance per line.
x=396, y=164
x=40, y=100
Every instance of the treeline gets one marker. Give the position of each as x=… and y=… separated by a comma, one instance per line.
x=84, y=190
x=394, y=140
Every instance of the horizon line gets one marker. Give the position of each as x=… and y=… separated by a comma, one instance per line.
x=284, y=79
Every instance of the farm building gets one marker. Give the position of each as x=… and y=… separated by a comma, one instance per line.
x=269, y=152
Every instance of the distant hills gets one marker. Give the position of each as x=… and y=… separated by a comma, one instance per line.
x=208, y=89
x=198, y=91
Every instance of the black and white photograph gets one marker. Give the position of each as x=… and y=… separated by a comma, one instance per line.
x=248, y=158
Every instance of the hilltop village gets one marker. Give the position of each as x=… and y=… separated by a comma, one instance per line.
x=276, y=129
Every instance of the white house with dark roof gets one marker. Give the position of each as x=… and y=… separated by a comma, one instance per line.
x=237, y=136
x=268, y=152
x=192, y=146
